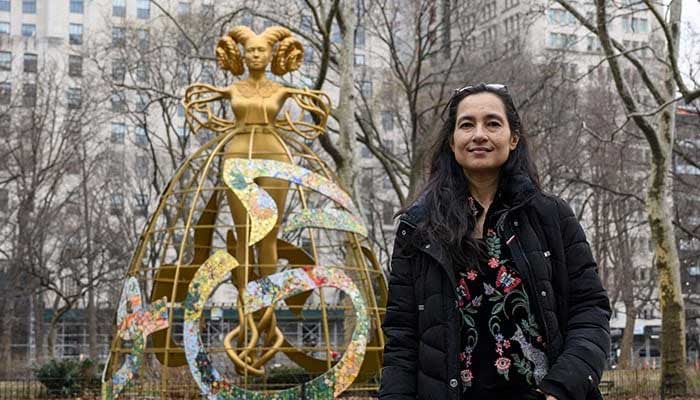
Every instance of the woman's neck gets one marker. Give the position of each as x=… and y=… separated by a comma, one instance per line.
x=257, y=76
x=483, y=188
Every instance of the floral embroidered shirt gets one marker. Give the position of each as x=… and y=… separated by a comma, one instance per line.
x=502, y=345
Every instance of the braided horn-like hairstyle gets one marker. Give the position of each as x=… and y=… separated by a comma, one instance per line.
x=289, y=53
x=227, y=52
x=286, y=57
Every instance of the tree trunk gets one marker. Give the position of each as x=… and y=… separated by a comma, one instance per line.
x=39, y=330
x=627, y=347
x=92, y=320
x=6, y=336
x=659, y=202
x=345, y=114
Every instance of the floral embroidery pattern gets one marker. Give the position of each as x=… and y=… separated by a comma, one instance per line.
x=497, y=298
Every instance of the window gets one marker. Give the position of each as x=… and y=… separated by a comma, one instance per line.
x=360, y=8
x=561, y=41
x=360, y=36
x=28, y=30
x=560, y=17
x=75, y=66
x=512, y=24
x=29, y=6
x=144, y=38
x=4, y=5
x=488, y=35
x=29, y=94
x=75, y=34
x=118, y=36
x=388, y=213
x=143, y=9
x=118, y=102
x=335, y=34
x=4, y=205
x=635, y=24
x=359, y=59
x=117, y=204
x=141, y=201
x=76, y=6
x=593, y=44
x=141, y=103
x=75, y=98
x=207, y=7
x=640, y=25
x=182, y=74
x=308, y=56
x=247, y=19
x=119, y=8
x=183, y=8
x=4, y=28
x=489, y=10
x=366, y=88
x=140, y=137
x=5, y=61
x=118, y=70
x=180, y=111
x=5, y=92
x=142, y=72
x=208, y=73
x=142, y=165
x=181, y=132
x=118, y=132
x=307, y=24
x=30, y=62
x=387, y=120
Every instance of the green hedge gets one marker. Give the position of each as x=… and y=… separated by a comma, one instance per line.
x=67, y=378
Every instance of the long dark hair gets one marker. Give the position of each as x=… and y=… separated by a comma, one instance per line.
x=448, y=219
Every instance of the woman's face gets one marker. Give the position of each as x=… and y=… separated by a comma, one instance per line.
x=482, y=140
x=257, y=54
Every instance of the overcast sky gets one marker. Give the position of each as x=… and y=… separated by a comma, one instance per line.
x=690, y=36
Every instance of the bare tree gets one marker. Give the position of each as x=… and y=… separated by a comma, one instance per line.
x=657, y=126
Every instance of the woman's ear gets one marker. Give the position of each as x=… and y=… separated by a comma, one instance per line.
x=514, y=138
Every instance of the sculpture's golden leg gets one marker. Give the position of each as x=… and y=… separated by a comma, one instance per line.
x=247, y=359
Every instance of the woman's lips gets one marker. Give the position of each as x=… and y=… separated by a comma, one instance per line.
x=479, y=150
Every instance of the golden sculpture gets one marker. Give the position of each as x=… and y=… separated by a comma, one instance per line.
x=256, y=102
x=260, y=128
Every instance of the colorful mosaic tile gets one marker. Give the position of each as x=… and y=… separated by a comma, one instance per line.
x=239, y=175
x=264, y=293
x=329, y=218
x=135, y=323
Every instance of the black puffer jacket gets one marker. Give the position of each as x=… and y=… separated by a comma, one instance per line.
x=552, y=255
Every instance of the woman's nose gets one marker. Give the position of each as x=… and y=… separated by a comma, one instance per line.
x=479, y=133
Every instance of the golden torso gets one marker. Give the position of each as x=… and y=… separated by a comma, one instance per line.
x=255, y=106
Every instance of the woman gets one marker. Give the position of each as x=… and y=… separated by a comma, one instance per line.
x=493, y=292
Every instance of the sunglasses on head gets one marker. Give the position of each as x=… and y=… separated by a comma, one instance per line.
x=489, y=86
x=494, y=87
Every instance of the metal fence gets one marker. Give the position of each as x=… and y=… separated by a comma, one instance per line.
x=615, y=385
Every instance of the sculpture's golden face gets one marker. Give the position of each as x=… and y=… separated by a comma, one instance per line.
x=258, y=54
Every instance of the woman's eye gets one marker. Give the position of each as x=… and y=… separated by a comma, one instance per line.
x=494, y=124
x=465, y=125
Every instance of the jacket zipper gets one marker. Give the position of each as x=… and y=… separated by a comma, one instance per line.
x=528, y=272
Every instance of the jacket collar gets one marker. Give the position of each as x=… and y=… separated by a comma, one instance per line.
x=514, y=192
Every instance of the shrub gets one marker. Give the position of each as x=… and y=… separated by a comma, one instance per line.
x=68, y=377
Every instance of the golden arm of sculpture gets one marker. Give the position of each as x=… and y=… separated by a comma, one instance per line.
x=197, y=103
x=314, y=102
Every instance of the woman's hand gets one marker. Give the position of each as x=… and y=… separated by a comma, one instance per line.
x=549, y=396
